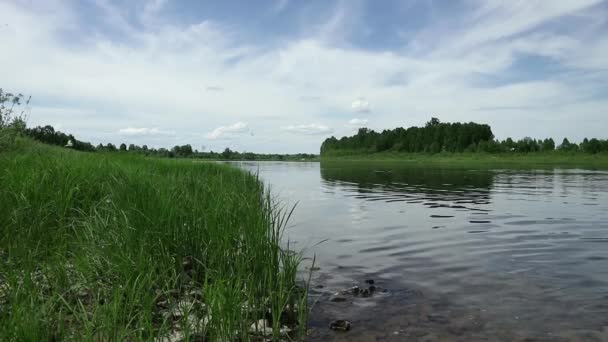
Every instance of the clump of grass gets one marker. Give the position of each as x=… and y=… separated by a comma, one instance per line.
x=121, y=247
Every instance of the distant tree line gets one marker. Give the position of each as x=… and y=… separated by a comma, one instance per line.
x=437, y=137
x=49, y=135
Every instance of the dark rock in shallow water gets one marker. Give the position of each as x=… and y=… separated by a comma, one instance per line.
x=319, y=286
x=356, y=290
x=369, y=281
x=372, y=288
x=366, y=293
x=337, y=298
x=340, y=325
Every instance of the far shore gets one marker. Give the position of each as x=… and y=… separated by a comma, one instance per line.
x=525, y=160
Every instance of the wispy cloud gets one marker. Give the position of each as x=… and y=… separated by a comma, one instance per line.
x=229, y=131
x=309, y=129
x=358, y=122
x=139, y=131
x=214, y=88
x=360, y=105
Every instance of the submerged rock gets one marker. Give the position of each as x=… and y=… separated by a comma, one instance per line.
x=337, y=298
x=340, y=325
x=369, y=281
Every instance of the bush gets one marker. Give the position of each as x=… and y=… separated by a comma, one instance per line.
x=12, y=122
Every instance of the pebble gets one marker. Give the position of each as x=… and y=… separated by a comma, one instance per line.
x=340, y=325
x=263, y=327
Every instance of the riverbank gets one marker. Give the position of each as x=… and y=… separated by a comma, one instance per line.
x=520, y=160
x=106, y=246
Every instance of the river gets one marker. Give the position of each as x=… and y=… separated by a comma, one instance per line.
x=455, y=254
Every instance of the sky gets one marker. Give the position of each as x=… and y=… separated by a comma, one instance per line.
x=282, y=75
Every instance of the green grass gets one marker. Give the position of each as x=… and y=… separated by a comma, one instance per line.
x=100, y=246
x=519, y=160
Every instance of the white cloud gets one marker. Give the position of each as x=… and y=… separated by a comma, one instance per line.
x=358, y=122
x=309, y=129
x=139, y=131
x=229, y=131
x=360, y=105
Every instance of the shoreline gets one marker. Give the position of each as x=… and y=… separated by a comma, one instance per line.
x=529, y=160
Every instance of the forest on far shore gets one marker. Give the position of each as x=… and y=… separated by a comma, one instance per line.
x=437, y=137
x=48, y=135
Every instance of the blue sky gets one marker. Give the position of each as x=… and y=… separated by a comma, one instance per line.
x=282, y=75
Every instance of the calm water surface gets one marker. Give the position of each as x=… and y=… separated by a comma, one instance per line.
x=460, y=254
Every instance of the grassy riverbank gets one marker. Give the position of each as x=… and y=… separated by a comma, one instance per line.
x=523, y=160
x=104, y=246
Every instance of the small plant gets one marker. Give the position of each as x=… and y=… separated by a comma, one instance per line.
x=12, y=121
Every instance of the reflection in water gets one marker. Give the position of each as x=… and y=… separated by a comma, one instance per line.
x=435, y=188
x=464, y=254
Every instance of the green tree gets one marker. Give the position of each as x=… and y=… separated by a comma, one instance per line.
x=227, y=154
x=123, y=147
x=548, y=145
x=593, y=146
x=433, y=122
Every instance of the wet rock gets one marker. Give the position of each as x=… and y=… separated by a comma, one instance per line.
x=365, y=293
x=162, y=304
x=340, y=325
x=372, y=288
x=319, y=286
x=337, y=298
x=263, y=327
x=369, y=281
x=196, y=294
x=351, y=291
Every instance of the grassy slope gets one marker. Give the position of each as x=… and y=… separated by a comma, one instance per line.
x=106, y=246
x=480, y=159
